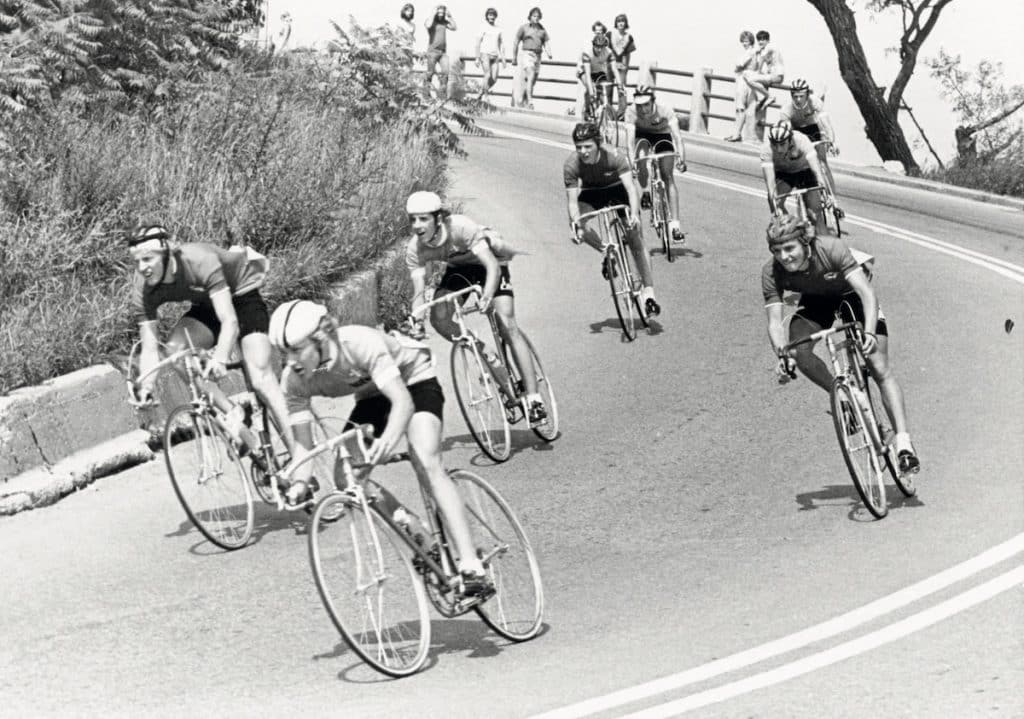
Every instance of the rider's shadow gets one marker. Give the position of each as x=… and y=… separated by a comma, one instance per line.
x=266, y=520
x=521, y=440
x=612, y=323
x=846, y=495
x=679, y=252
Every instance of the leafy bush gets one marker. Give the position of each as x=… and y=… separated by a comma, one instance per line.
x=1002, y=176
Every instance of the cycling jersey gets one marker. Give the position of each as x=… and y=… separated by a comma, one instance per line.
x=599, y=60
x=794, y=159
x=657, y=121
x=368, y=358
x=801, y=117
x=603, y=173
x=830, y=262
x=462, y=236
x=197, y=271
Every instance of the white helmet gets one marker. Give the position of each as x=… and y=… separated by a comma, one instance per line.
x=423, y=203
x=294, y=322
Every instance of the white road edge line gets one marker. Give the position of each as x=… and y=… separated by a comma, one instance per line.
x=823, y=630
x=841, y=652
x=1001, y=267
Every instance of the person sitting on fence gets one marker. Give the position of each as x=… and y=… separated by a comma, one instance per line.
x=746, y=62
x=623, y=46
x=438, y=26
x=595, y=66
x=656, y=129
x=769, y=71
x=490, y=51
x=805, y=114
x=790, y=162
x=530, y=40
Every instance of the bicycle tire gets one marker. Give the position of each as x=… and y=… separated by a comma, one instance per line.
x=517, y=608
x=858, y=448
x=621, y=293
x=360, y=566
x=660, y=206
x=481, y=403
x=905, y=483
x=608, y=126
x=208, y=478
x=549, y=431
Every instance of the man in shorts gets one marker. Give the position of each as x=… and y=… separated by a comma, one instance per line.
x=595, y=66
x=829, y=279
x=530, y=41
x=396, y=391
x=490, y=51
x=806, y=115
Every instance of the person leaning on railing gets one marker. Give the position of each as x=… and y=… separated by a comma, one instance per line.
x=530, y=41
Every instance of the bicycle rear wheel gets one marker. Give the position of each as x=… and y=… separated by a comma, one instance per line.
x=619, y=280
x=368, y=586
x=481, y=403
x=208, y=477
x=548, y=431
x=516, y=610
x=858, y=448
x=905, y=483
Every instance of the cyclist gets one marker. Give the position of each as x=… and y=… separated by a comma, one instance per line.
x=656, y=128
x=597, y=177
x=395, y=388
x=828, y=277
x=805, y=114
x=789, y=162
x=595, y=66
x=473, y=255
x=223, y=287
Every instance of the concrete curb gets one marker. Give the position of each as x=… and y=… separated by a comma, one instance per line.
x=549, y=122
x=52, y=444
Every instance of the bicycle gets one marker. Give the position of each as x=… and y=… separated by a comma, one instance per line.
x=659, y=193
x=823, y=148
x=489, y=386
x=375, y=574
x=203, y=457
x=861, y=423
x=601, y=112
x=806, y=213
x=618, y=268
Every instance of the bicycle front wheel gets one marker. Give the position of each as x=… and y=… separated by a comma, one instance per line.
x=858, y=449
x=368, y=586
x=660, y=210
x=208, y=477
x=481, y=403
x=619, y=280
x=609, y=127
x=516, y=610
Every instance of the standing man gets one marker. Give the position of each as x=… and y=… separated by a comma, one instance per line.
x=438, y=26
x=490, y=51
x=531, y=39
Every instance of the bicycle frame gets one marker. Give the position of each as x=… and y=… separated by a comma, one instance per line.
x=799, y=196
x=613, y=233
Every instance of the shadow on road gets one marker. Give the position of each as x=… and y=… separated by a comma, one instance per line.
x=521, y=439
x=267, y=520
x=679, y=252
x=845, y=495
x=612, y=323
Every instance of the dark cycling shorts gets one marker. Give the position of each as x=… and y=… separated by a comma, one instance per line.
x=427, y=396
x=599, y=198
x=821, y=311
x=655, y=138
x=797, y=180
x=812, y=131
x=250, y=309
x=459, y=277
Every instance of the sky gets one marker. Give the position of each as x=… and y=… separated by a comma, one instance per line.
x=687, y=34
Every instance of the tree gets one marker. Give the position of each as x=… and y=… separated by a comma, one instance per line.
x=982, y=102
x=881, y=112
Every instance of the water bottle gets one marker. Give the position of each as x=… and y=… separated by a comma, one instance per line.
x=411, y=525
x=498, y=370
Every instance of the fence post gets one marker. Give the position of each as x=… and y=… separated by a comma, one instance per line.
x=699, y=101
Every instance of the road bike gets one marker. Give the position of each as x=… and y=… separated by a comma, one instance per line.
x=618, y=268
x=861, y=423
x=603, y=113
x=203, y=451
x=660, y=214
x=799, y=202
x=489, y=385
x=823, y=147
x=376, y=565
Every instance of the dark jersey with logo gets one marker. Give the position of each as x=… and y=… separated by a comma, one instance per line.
x=603, y=173
x=830, y=262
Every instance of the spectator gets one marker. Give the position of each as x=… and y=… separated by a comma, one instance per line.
x=438, y=26
x=746, y=62
x=490, y=51
x=407, y=14
x=533, y=39
x=769, y=70
x=623, y=46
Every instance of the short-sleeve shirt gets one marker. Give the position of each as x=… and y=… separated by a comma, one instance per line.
x=603, y=173
x=655, y=122
x=622, y=45
x=197, y=271
x=489, y=37
x=368, y=358
x=600, y=60
x=802, y=148
x=437, y=36
x=831, y=262
x=462, y=235
x=801, y=118
x=531, y=37
x=770, y=62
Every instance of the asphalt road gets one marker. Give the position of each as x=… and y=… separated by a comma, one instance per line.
x=695, y=523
